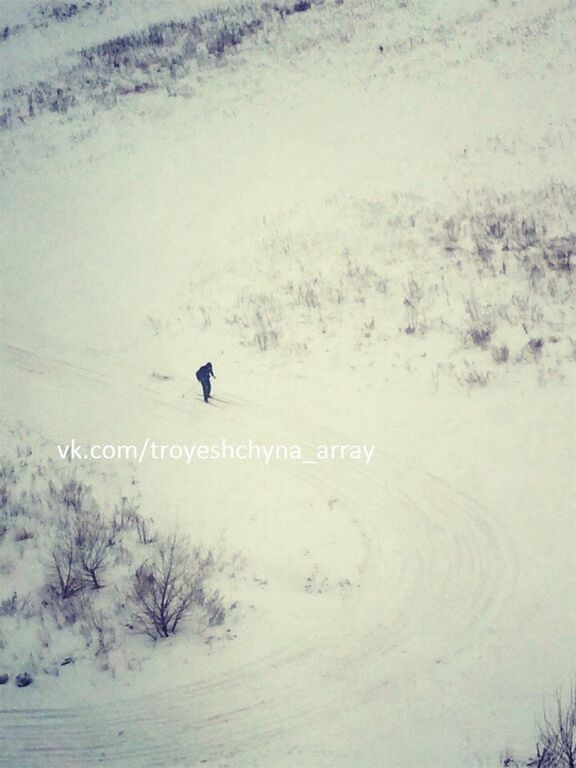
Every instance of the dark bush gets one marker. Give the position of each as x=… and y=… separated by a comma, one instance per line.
x=536, y=345
x=168, y=585
x=480, y=336
x=24, y=680
x=559, y=254
x=556, y=747
x=501, y=354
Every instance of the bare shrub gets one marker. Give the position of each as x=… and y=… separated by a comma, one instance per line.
x=120, y=554
x=412, y=302
x=556, y=746
x=474, y=378
x=98, y=630
x=62, y=11
x=63, y=576
x=501, y=354
x=369, y=328
x=125, y=516
x=482, y=249
x=481, y=315
x=8, y=479
x=144, y=529
x=9, y=607
x=22, y=534
x=169, y=584
x=15, y=604
x=495, y=227
x=93, y=543
x=481, y=336
x=532, y=351
x=266, y=319
x=7, y=472
x=79, y=551
x=67, y=613
x=559, y=253
x=266, y=339
x=74, y=496
x=536, y=346
x=528, y=232
x=453, y=228
x=308, y=294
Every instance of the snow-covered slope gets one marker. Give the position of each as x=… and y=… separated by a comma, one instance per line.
x=363, y=214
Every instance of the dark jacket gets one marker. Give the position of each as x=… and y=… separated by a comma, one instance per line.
x=205, y=372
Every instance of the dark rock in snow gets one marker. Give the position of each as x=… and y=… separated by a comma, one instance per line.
x=4, y=679
x=23, y=680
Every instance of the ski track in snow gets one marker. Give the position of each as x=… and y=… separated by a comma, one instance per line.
x=456, y=569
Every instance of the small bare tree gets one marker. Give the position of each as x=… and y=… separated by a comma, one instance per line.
x=74, y=496
x=63, y=563
x=412, y=303
x=81, y=547
x=93, y=543
x=168, y=585
x=144, y=528
x=556, y=747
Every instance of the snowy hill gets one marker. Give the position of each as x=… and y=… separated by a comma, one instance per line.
x=364, y=214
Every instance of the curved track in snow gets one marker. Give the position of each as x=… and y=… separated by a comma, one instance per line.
x=432, y=572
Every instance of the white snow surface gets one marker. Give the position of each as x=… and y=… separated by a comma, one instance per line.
x=414, y=612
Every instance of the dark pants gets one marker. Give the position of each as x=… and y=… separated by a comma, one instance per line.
x=206, y=387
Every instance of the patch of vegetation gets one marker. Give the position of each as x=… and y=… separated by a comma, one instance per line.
x=83, y=573
x=556, y=744
x=482, y=291
x=151, y=59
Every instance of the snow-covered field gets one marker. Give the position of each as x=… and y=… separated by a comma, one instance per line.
x=363, y=213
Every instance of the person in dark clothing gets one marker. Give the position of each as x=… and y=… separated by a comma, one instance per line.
x=203, y=375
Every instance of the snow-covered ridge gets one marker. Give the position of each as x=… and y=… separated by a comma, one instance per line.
x=112, y=66
x=127, y=48
x=52, y=27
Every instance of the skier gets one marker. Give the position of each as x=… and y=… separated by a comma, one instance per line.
x=203, y=375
